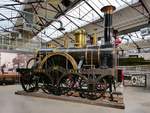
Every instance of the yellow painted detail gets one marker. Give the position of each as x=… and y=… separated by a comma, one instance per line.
x=80, y=38
x=94, y=39
x=66, y=55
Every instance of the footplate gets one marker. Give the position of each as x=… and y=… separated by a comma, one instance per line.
x=97, y=71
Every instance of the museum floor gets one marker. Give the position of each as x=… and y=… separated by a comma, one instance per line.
x=137, y=100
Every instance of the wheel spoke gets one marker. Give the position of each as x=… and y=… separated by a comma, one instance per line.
x=28, y=83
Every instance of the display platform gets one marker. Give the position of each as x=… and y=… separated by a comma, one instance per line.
x=116, y=103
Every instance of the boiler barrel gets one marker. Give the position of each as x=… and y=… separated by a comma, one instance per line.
x=92, y=55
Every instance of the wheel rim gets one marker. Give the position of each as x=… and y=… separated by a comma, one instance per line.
x=31, y=63
x=29, y=83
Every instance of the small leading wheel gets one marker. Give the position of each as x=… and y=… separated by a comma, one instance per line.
x=88, y=89
x=102, y=86
x=29, y=82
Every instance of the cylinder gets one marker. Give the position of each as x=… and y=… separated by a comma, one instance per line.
x=80, y=38
x=108, y=10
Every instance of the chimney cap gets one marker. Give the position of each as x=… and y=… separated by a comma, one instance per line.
x=108, y=9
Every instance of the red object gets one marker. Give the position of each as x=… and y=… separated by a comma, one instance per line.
x=117, y=41
x=122, y=75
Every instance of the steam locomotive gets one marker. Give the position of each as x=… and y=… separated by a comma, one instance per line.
x=87, y=70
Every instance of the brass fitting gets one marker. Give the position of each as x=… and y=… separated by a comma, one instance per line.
x=80, y=38
x=108, y=9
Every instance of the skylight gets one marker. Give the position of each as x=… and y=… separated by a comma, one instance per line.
x=84, y=13
x=5, y=14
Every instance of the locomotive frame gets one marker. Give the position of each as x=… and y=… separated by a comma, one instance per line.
x=62, y=71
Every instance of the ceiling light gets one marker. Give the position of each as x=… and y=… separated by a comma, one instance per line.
x=66, y=3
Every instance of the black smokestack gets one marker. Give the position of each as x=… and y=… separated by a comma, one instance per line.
x=108, y=10
x=106, y=56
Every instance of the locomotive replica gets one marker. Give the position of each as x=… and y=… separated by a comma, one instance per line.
x=87, y=70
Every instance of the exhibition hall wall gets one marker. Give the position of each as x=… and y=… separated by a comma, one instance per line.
x=11, y=61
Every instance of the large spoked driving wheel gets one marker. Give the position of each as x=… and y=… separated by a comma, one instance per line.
x=29, y=82
x=56, y=68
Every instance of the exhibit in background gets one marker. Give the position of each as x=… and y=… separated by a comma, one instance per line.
x=13, y=60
